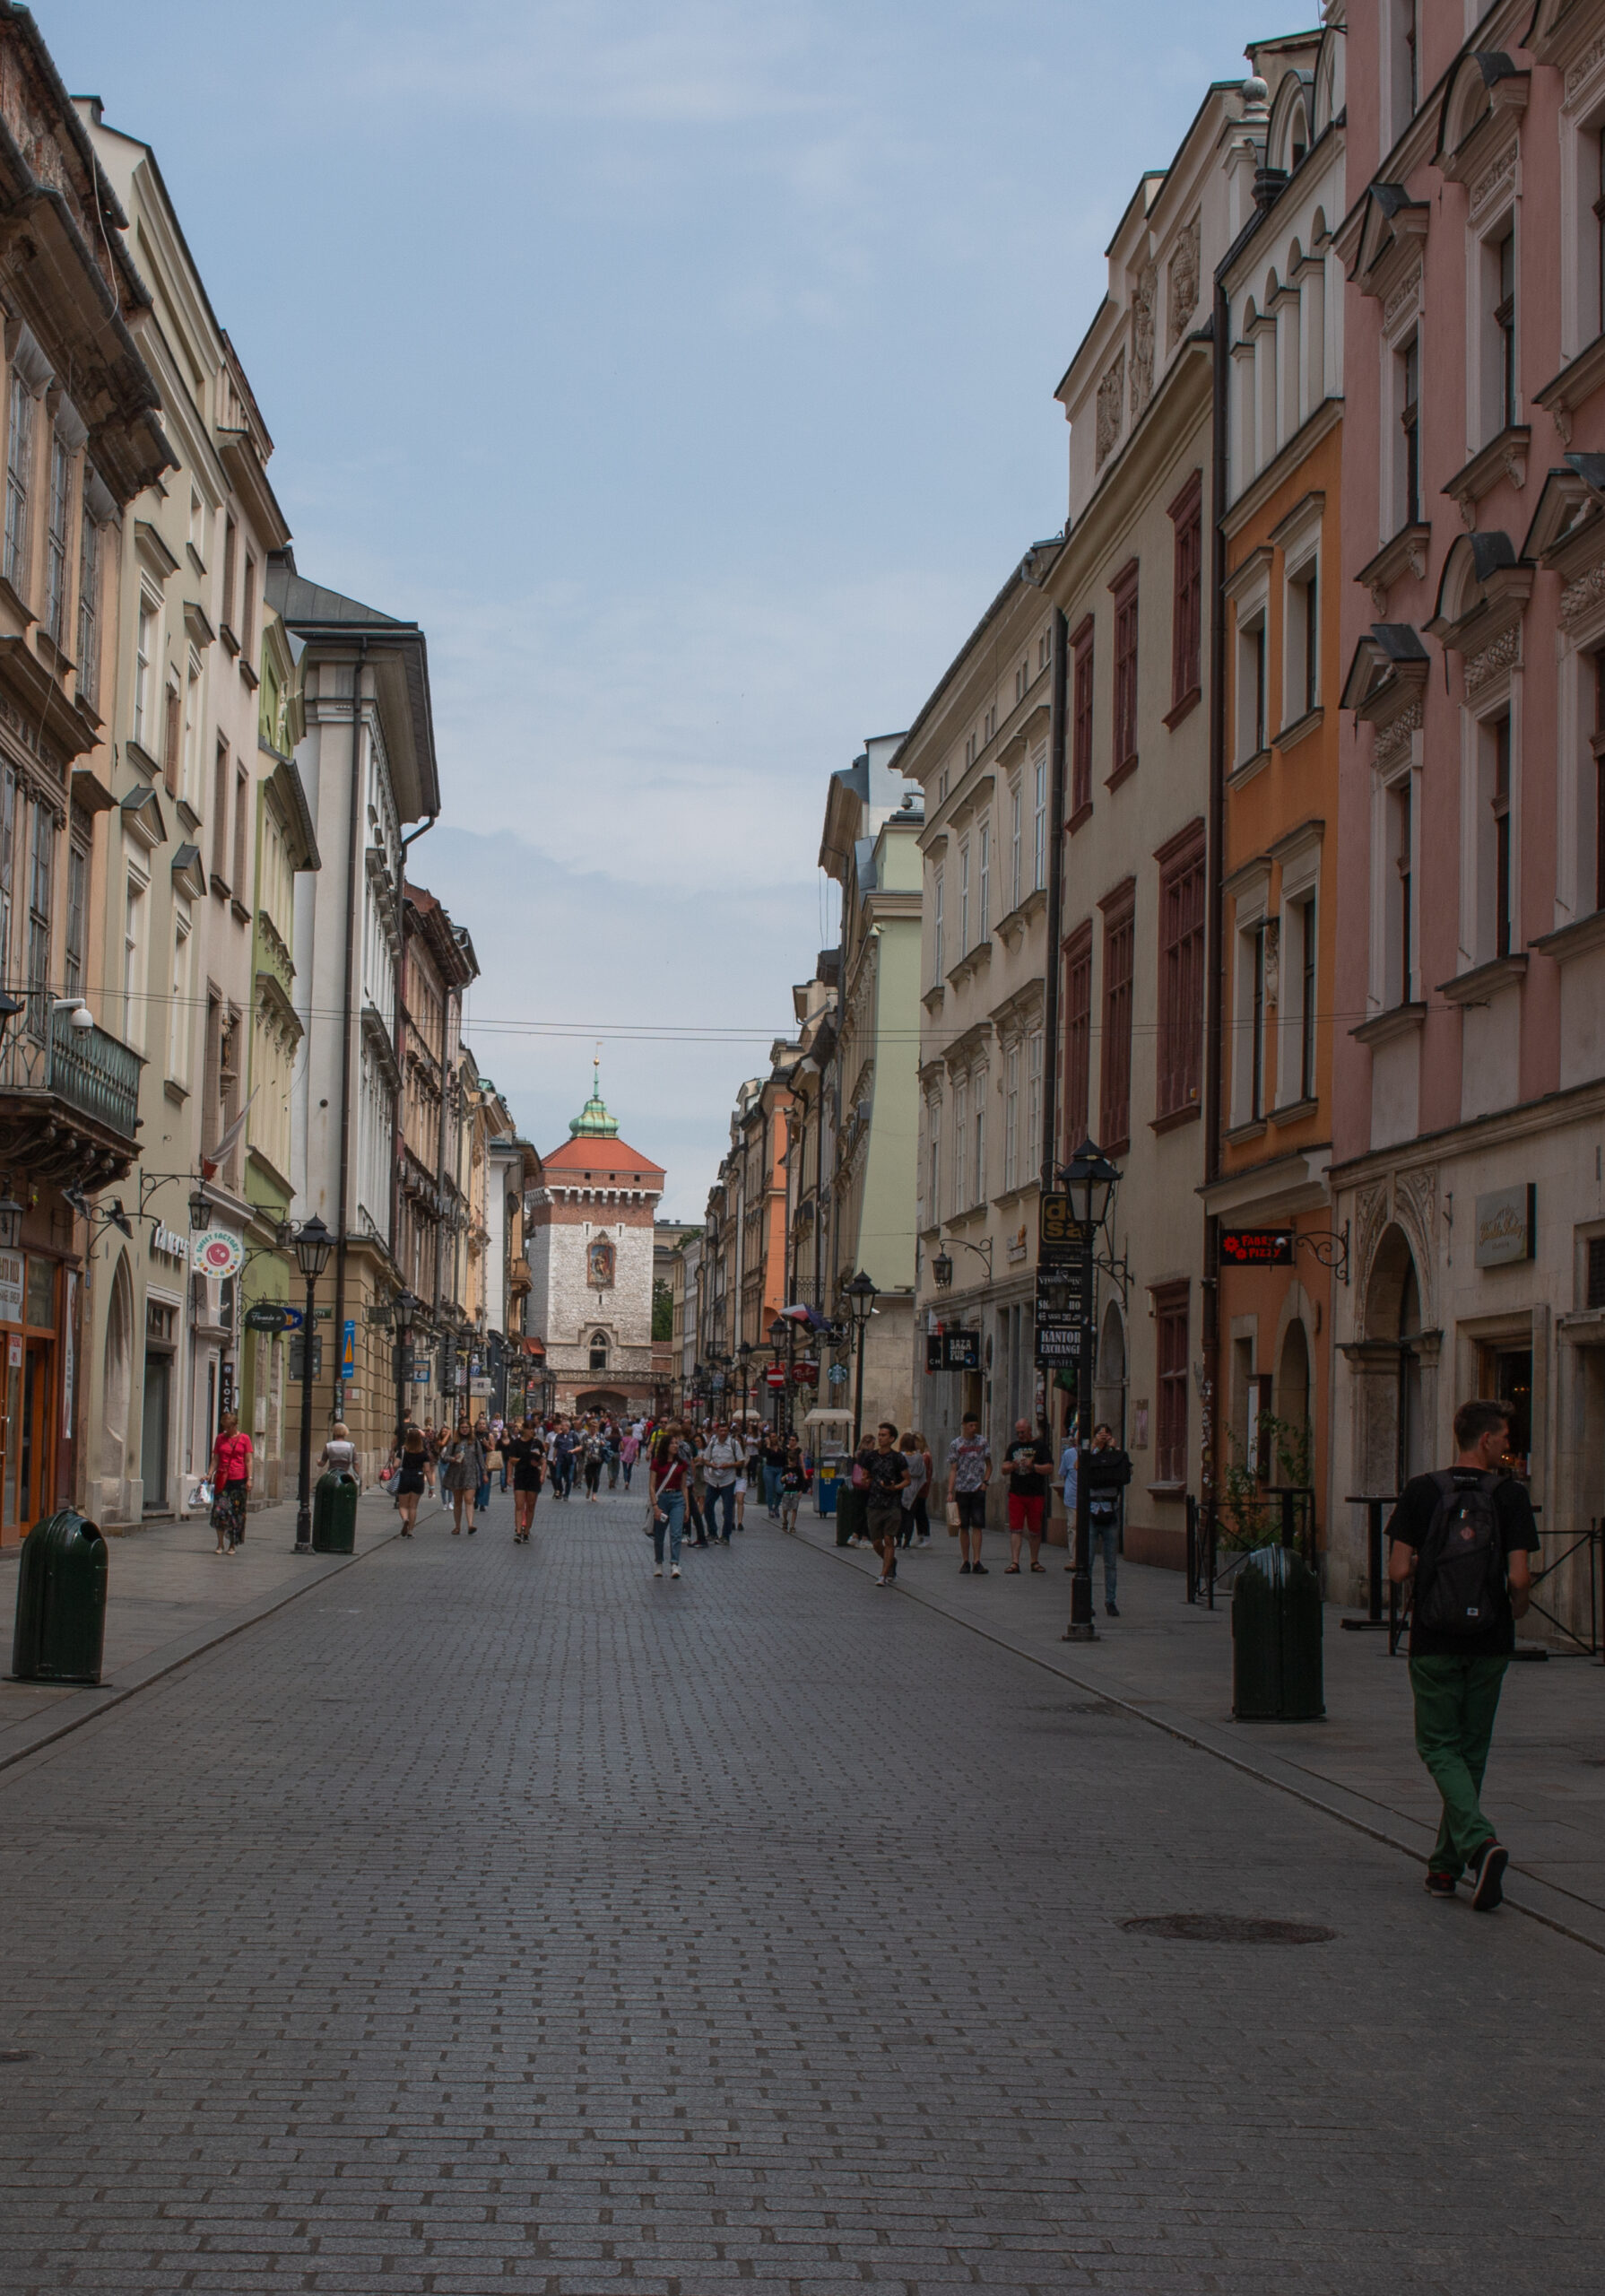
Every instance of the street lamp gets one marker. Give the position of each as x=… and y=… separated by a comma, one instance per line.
x=402, y=1309
x=1089, y=1180
x=11, y=1221
x=200, y=1211
x=313, y=1245
x=744, y=1356
x=780, y=1345
x=860, y=1296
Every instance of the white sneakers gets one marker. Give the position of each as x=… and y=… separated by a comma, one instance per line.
x=675, y=1571
x=657, y=1570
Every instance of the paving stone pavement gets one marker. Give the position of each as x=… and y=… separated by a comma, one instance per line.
x=503, y=1918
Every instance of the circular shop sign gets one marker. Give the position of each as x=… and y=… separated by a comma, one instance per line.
x=218, y=1253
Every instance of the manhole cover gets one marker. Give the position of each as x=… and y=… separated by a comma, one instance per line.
x=16, y=2056
x=1227, y=1929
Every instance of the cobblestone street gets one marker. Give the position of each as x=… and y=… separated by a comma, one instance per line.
x=494, y=1917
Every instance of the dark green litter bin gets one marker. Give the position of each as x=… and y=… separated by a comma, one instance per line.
x=335, y=1513
x=61, y=1602
x=851, y=1508
x=1275, y=1640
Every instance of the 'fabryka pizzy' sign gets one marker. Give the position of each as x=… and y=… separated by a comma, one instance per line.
x=1257, y=1246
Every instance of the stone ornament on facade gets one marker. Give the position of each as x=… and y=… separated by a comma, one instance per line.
x=1403, y=303
x=1142, y=338
x=1416, y=1209
x=600, y=1262
x=1111, y=400
x=1493, y=178
x=1579, y=597
x=1184, y=282
x=1501, y=654
x=1370, y=1218
x=1394, y=740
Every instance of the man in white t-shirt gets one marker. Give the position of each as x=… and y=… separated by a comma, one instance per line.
x=722, y=1461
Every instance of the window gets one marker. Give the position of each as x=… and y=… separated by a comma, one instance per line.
x=979, y=1119
x=1186, y=513
x=1596, y=1273
x=1252, y=651
x=984, y=888
x=1304, y=917
x=230, y=542
x=89, y=607
x=935, y=1201
x=1011, y=1118
x=19, y=483
x=1039, y=823
x=1015, y=802
x=1598, y=211
x=1078, y=1037
x=1170, y=1352
x=1258, y=950
x=1080, y=777
x=197, y=525
x=1301, y=617
x=1500, y=806
x=1120, y=938
x=8, y=845
x=55, y=568
x=1022, y=679
x=145, y=652
x=171, y=739
x=134, y=954
x=971, y=745
x=1181, y=971
x=41, y=857
x=1408, y=370
x=960, y=1145
x=220, y=812
x=1033, y=1102
x=242, y=824
x=1599, y=779
x=1124, y=590
x=599, y=1351
x=989, y=723
x=177, y=1036
x=1494, y=375
x=1402, y=807
x=77, y=916
x=964, y=900
x=1409, y=29
x=248, y=612
x=192, y=729
x=936, y=927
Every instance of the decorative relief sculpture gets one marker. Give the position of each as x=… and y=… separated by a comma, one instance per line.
x=1111, y=400
x=1142, y=338
x=1184, y=283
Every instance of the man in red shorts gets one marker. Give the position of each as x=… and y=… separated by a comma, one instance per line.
x=1029, y=1461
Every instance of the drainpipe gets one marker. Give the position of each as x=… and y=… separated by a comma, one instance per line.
x=398, y=1136
x=1215, y=912
x=1056, y=898
x=353, y=898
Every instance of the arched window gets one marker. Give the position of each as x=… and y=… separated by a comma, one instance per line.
x=599, y=1351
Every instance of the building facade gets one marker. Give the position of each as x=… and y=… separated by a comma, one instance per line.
x=1470, y=1069
x=1280, y=377
x=590, y=1236
x=980, y=752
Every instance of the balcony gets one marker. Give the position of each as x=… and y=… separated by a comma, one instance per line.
x=69, y=1101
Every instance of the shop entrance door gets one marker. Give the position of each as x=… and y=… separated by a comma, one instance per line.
x=1507, y=1376
x=25, y=1471
x=153, y=1450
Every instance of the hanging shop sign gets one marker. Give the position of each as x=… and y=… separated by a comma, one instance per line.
x=1058, y=1343
x=805, y=1372
x=10, y=1287
x=1257, y=1246
x=215, y=1252
x=348, y=1349
x=167, y=1243
x=961, y=1350
x=1507, y=1226
x=1059, y=1235
x=268, y=1316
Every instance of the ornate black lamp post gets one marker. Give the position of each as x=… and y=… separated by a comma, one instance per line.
x=743, y=1358
x=1090, y=1179
x=860, y=1296
x=403, y=1308
x=313, y=1245
x=780, y=1346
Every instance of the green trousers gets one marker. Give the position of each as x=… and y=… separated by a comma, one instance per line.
x=1456, y=1700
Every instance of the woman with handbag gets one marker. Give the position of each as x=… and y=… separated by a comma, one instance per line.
x=461, y=1471
x=527, y=1454
x=231, y=1457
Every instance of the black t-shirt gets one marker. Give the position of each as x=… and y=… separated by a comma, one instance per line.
x=1027, y=1462
x=528, y=1456
x=886, y=1471
x=1412, y=1520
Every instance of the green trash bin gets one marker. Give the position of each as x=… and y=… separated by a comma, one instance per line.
x=1275, y=1640
x=852, y=1508
x=61, y=1602
x=335, y=1513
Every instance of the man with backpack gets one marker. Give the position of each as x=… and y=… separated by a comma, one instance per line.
x=1463, y=1535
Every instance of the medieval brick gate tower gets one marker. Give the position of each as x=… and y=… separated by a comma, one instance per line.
x=589, y=1238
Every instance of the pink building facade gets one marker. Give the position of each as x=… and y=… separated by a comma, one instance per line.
x=1469, y=1035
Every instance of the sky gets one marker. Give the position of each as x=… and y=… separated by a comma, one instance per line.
x=686, y=369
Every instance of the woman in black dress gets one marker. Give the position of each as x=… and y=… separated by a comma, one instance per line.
x=416, y=1468
x=528, y=1456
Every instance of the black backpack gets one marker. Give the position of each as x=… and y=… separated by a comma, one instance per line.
x=1459, y=1572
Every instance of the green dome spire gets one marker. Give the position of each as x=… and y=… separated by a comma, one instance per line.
x=594, y=1122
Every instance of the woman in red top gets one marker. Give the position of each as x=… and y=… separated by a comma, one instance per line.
x=231, y=1456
